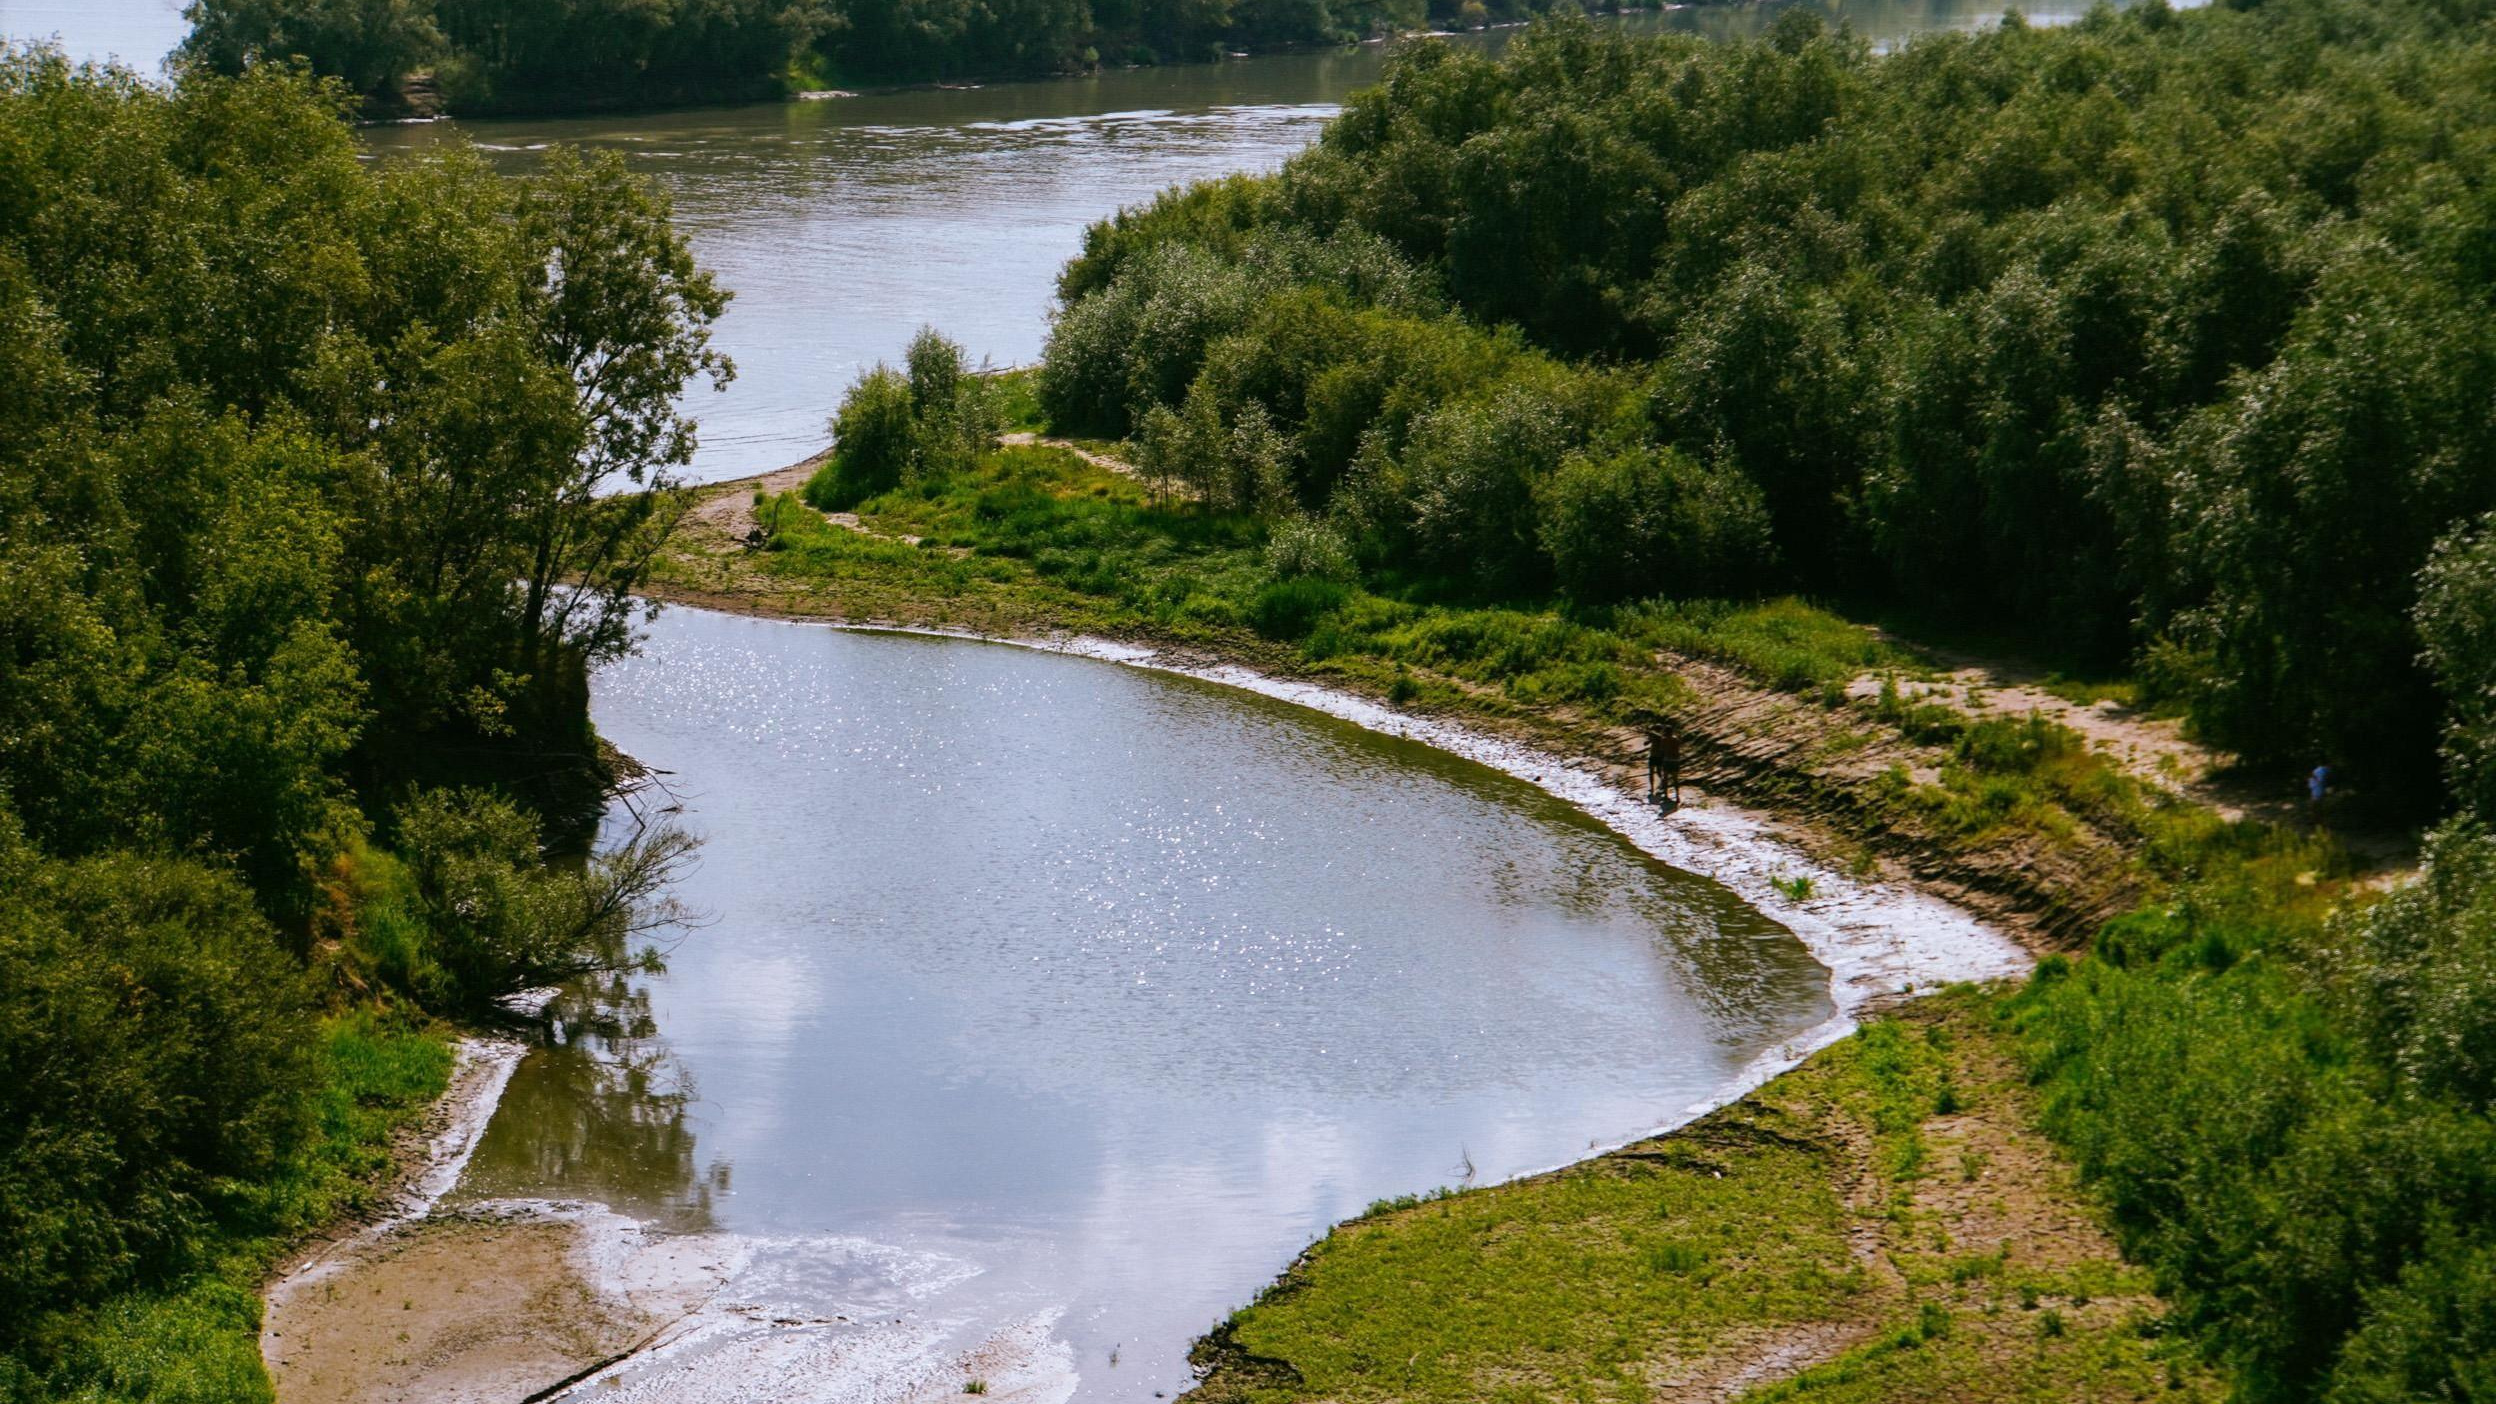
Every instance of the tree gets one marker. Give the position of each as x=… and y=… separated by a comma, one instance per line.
x=369, y=44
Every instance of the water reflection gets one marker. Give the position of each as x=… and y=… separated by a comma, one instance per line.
x=597, y=1111
x=1115, y=987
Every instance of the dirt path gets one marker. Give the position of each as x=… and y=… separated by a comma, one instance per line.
x=2152, y=749
x=726, y=510
x=1101, y=461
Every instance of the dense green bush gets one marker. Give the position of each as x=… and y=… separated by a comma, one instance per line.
x=872, y=442
x=2291, y=1116
x=926, y=421
x=154, y=1051
x=497, y=920
x=1645, y=521
x=540, y=55
x=306, y=506
x=2457, y=626
x=1302, y=548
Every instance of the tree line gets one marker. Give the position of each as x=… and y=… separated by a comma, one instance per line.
x=322, y=487
x=539, y=55
x=2161, y=342
x=2161, y=337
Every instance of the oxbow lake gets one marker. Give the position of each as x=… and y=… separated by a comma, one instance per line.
x=1042, y=989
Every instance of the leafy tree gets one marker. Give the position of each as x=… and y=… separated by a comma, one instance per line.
x=318, y=482
x=499, y=920
x=2157, y=338
x=153, y=1055
x=371, y=44
x=2456, y=618
x=1634, y=523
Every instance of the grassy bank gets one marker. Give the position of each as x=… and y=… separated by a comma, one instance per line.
x=196, y=1339
x=1883, y=1223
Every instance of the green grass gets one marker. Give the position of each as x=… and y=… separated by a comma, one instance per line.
x=1785, y=643
x=196, y=1340
x=1576, y=1278
x=1037, y=536
x=1605, y=1280
x=1018, y=399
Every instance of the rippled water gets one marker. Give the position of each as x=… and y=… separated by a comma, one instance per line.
x=1093, y=993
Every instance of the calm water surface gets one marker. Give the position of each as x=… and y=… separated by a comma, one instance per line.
x=1113, y=986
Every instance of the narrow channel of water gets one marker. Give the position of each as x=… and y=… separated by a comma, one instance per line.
x=1046, y=990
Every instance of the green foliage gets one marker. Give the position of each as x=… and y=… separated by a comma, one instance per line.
x=1644, y=522
x=1289, y=609
x=154, y=1056
x=902, y=426
x=1720, y=1242
x=320, y=485
x=1302, y=548
x=2457, y=624
x=527, y=57
x=873, y=436
x=1784, y=642
x=2289, y=1116
x=497, y=920
x=2156, y=337
x=370, y=44
x=544, y=55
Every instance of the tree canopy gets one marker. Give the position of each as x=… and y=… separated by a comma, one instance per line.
x=2162, y=337
x=322, y=487
x=538, y=55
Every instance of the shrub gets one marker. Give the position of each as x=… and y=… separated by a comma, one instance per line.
x=1471, y=471
x=498, y=920
x=927, y=421
x=1647, y=522
x=955, y=415
x=155, y=1046
x=1289, y=609
x=871, y=442
x=2456, y=617
x=1304, y=548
